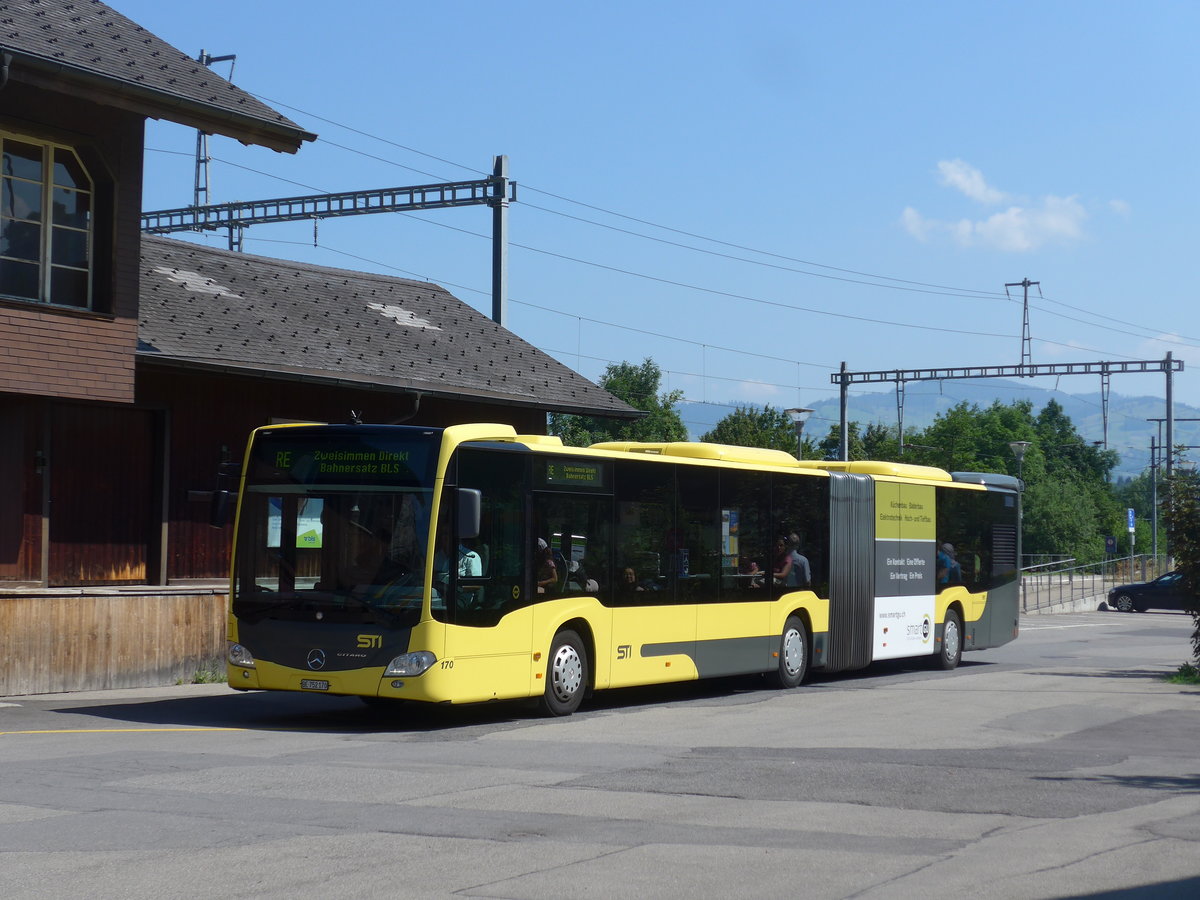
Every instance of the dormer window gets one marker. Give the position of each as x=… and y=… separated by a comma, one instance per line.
x=46, y=203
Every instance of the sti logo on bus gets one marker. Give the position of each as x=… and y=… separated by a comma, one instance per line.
x=624, y=651
x=370, y=640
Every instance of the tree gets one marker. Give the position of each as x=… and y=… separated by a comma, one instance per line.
x=876, y=442
x=966, y=438
x=1139, y=494
x=637, y=385
x=1181, y=516
x=767, y=427
x=830, y=446
x=1069, y=505
x=879, y=442
x=1061, y=520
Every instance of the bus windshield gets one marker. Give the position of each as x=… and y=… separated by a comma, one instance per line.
x=352, y=556
x=334, y=527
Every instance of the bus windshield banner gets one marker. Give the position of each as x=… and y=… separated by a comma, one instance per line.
x=295, y=456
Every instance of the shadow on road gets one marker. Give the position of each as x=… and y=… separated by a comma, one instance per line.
x=1148, y=675
x=315, y=713
x=1163, y=890
x=318, y=713
x=1174, y=784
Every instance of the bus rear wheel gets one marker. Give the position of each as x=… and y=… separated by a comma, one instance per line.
x=566, y=675
x=793, y=655
x=950, y=653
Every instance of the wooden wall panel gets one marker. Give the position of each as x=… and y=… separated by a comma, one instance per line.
x=102, y=477
x=20, y=489
x=52, y=642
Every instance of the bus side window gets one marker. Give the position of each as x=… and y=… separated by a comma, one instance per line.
x=746, y=536
x=698, y=518
x=645, y=498
x=577, y=533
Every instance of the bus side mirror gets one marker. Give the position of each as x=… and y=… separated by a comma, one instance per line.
x=470, y=502
x=223, y=500
x=222, y=505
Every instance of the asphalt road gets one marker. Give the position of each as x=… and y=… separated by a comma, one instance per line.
x=1058, y=766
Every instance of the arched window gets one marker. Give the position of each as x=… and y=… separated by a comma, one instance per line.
x=46, y=224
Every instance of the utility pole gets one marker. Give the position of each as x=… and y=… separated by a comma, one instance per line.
x=499, y=204
x=1026, y=353
x=200, y=191
x=1170, y=448
x=844, y=443
x=1153, y=498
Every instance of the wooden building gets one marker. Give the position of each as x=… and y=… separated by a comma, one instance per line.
x=132, y=366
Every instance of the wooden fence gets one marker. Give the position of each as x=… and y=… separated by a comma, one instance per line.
x=95, y=639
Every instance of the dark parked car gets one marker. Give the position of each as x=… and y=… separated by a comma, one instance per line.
x=1164, y=592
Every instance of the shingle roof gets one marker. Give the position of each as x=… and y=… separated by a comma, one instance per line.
x=87, y=41
x=221, y=310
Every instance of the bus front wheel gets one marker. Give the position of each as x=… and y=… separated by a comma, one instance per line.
x=566, y=675
x=793, y=654
x=950, y=653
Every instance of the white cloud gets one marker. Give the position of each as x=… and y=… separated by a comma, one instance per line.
x=1020, y=228
x=916, y=224
x=968, y=179
x=1120, y=207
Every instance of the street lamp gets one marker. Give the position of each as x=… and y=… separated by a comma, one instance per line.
x=1018, y=448
x=799, y=415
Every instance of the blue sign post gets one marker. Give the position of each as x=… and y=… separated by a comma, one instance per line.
x=1129, y=514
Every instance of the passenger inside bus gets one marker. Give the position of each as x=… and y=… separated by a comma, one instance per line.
x=547, y=571
x=782, y=567
x=801, y=573
x=948, y=569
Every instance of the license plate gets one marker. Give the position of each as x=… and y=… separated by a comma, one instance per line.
x=309, y=684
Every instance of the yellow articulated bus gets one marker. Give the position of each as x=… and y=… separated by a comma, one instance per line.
x=471, y=563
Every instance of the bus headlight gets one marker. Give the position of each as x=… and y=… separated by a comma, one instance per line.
x=410, y=663
x=240, y=656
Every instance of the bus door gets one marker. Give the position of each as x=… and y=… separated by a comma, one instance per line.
x=479, y=580
x=733, y=621
x=571, y=566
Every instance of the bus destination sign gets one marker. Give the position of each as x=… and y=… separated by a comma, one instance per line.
x=291, y=457
x=574, y=473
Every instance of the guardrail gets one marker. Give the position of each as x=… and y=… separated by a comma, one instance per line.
x=1045, y=588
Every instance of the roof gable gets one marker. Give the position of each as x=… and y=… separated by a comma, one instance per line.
x=86, y=42
x=212, y=308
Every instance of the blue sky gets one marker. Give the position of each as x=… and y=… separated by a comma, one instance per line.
x=748, y=193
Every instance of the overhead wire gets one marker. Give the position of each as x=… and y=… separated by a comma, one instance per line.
x=942, y=289
x=952, y=291
x=935, y=289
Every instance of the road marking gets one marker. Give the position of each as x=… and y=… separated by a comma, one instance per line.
x=1025, y=626
x=114, y=730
